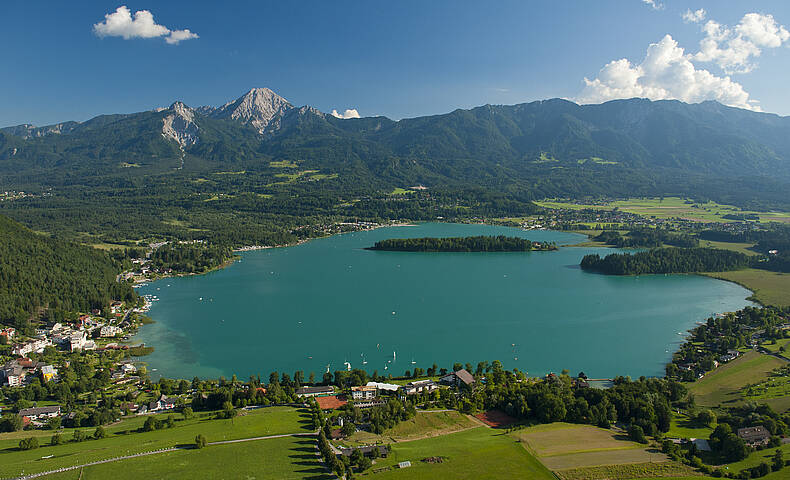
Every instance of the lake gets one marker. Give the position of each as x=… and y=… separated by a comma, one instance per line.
x=329, y=301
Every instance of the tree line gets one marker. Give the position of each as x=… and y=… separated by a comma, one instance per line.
x=667, y=260
x=498, y=243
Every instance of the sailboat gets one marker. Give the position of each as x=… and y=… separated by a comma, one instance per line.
x=348, y=366
x=364, y=362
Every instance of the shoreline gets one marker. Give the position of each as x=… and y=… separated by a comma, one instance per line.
x=254, y=248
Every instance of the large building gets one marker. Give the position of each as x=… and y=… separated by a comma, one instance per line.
x=755, y=436
x=306, y=392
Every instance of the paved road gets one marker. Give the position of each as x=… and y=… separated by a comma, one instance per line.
x=156, y=452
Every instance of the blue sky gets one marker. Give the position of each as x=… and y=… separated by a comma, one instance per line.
x=396, y=58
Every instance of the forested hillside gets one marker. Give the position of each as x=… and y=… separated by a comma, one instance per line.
x=38, y=272
x=247, y=175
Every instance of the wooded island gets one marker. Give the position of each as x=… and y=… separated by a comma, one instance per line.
x=498, y=243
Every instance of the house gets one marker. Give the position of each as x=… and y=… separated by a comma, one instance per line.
x=456, y=379
x=32, y=346
x=363, y=393
x=109, y=331
x=77, y=341
x=13, y=373
x=48, y=372
x=387, y=387
x=39, y=413
x=366, y=450
x=755, y=436
x=128, y=368
x=374, y=402
x=730, y=355
x=418, y=387
x=8, y=333
x=164, y=403
x=306, y=392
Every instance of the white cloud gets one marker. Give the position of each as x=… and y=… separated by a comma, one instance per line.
x=734, y=49
x=349, y=113
x=179, y=35
x=695, y=16
x=666, y=72
x=121, y=23
x=654, y=3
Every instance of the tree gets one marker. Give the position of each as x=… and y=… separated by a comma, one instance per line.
x=637, y=434
x=200, y=441
x=12, y=423
x=29, y=443
x=149, y=425
x=706, y=417
x=56, y=439
x=53, y=423
x=79, y=436
x=777, y=461
x=99, y=433
x=348, y=429
x=188, y=413
x=228, y=411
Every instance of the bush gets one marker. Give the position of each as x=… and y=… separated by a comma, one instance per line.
x=200, y=441
x=29, y=443
x=99, y=433
x=80, y=436
x=56, y=439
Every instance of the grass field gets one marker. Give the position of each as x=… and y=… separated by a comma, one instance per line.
x=671, y=207
x=734, y=246
x=261, y=422
x=276, y=458
x=757, y=457
x=472, y=454
x=629, y=472
x=562, y=446
x=683, y=427
x=770, y=288
x=424, y=424
x=722, y=386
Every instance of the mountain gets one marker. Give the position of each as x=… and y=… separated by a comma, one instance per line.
x=37, y=271
x=258, y=108
x=255, y=168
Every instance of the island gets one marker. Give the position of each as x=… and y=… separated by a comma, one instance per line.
x=498, y=243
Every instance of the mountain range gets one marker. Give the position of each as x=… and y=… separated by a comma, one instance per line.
x=306, y=162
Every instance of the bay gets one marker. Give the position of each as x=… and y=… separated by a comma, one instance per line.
x=326, y=302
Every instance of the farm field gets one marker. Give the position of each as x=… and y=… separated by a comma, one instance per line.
x=667, y=470
x=671, y=207
x=424, y=424
x=723, y=385
x=261, y=422
x=472, y=454
x=770, y=288
x=276, y=458
x=563, y=446
x=744, y=248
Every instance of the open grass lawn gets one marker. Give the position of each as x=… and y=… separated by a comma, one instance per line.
x=770, y=288
x=276, y=458
x=472, y=454
x=562, y=446
x=671, y=207
x=630, y=471
x=683, y=427
x=774, y=347
x=744, y=248
x=260, y=422
x=755, y=458
x=775, y=391
x=424, y=424
x=722, y=386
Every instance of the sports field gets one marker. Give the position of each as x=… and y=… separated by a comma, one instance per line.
x=272, y=459
x=260, y=422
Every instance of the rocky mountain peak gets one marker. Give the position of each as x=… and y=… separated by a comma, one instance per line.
x=256, y=108
x=179, y=125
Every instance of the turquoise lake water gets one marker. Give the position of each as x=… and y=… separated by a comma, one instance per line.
x=329, y=301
